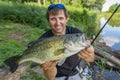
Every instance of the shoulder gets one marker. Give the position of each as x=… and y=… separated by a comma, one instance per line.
x=70, y=30
x=47, y=34
x=44, y=35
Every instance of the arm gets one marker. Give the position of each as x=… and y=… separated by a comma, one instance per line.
x=49, y=69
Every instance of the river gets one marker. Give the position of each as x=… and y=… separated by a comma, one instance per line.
x=110, y=35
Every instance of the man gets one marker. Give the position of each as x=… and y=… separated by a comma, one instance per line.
x=57, y=17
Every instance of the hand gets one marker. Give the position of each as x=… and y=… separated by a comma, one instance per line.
x=49, y=69
x=87, y=54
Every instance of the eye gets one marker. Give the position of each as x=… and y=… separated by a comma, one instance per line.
x=71, y=43
x=53, y=19
x=61, y=18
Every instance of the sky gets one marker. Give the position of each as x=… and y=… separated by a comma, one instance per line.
x=108, y=3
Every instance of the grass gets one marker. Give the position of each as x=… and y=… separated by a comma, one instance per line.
x=14, y=38
x=32, y=75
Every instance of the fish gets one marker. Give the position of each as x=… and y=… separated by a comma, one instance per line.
x=50, y=48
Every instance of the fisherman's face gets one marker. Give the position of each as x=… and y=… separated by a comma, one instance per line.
x=58, y=23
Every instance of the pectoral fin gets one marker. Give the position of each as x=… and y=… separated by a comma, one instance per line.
x=58, y=53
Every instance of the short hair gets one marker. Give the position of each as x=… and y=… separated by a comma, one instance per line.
x=55, y=11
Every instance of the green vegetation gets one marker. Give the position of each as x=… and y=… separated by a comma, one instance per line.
x=32, y=75
x=19, y=13
x=34, y=15
x=113, y=7
x=14, y=38
x=90, y=4
x=115, y=21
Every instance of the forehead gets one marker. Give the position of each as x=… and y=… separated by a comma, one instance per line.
x=56, y=12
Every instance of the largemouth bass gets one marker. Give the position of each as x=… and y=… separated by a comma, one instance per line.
x=51, y=48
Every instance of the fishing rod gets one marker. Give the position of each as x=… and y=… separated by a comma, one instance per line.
x=105, y=24
x=94, y=39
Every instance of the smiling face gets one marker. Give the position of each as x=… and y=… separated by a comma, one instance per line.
x=57, y=20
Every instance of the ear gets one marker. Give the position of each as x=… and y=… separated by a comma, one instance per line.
x=67, y=19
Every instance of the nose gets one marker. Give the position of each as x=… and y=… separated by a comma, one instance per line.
x=57, y=22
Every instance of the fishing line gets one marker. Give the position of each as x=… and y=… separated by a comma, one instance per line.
x=94, y=40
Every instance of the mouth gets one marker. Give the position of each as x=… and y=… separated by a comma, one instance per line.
x=58, y=28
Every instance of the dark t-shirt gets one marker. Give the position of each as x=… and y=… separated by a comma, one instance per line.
x=71, y=61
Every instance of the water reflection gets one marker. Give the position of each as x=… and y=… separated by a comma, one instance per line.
x=111, y=35
x=106, y=74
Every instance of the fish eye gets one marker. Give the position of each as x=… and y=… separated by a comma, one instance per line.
x=71, y=43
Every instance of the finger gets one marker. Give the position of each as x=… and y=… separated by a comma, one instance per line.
x=84, y=54
x=81, y=55
x=51, y=64
x=46, y=65
x=88, y=53
x=86, y=57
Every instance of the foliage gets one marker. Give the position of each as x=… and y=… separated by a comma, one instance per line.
x=93, y=4
x=83, y=19
x=90, y=4
x=114, y=21
x=29, y=13
x=113, y=7
x=19, y=1
x=35, y=15
x=90, y=26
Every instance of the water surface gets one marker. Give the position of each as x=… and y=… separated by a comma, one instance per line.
x=110, y=35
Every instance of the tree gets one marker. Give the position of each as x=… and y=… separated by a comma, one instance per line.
x=93, y=4
x=113, y=7
x=99, y=4
x=59, y=1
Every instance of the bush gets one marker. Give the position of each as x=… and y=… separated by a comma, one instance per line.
x=27, y=13
x=84, y=19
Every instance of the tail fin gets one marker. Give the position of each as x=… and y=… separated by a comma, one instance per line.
x=12, y=62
